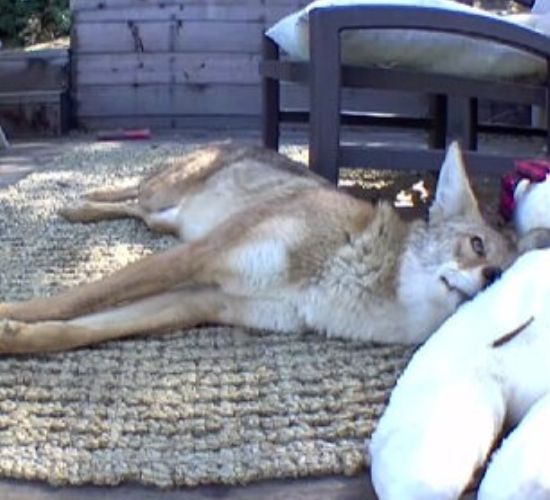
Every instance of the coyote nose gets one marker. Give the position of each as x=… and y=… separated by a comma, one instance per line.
x=491, y=274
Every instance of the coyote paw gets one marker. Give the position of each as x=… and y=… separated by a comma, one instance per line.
x=78, y=212
x=10, y=333
x=5, y=310
x=9, y=329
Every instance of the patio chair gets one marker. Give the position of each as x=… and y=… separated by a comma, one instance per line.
x=325, y=77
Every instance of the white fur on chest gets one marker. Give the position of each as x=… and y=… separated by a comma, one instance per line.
x=426, y=301
x=261, y=263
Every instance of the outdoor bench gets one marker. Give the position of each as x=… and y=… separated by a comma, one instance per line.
x=325, y=77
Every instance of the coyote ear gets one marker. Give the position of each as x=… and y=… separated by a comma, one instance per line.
x=453, y=195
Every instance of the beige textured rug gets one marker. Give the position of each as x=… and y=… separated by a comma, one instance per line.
x=215, y=405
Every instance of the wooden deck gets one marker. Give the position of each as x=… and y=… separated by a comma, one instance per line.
x=333, y=488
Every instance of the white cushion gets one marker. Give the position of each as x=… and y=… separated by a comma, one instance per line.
x=420, y=50
x=532, y=206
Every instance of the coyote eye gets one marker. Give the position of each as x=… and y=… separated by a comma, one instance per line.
x=477, y=246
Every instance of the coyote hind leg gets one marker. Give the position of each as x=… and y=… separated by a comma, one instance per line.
x=92, y=211
x=119, y=204
x=104, y=204
x=112, y=195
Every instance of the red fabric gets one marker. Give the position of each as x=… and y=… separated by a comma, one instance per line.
x=532, y=170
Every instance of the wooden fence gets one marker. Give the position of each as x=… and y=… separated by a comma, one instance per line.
x=173, y=64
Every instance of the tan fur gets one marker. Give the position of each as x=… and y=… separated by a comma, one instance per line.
x=269, y=245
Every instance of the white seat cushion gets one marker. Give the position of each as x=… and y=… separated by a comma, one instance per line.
x=420, y=50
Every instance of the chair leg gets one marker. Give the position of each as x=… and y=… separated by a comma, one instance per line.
x=547, y=107
x=270, y=99
x=324, y=89
x=438, y=115
x=472, y=125
x=462, y=121
x=4, y=144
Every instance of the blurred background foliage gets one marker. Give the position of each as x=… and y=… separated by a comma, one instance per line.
x=26, y=22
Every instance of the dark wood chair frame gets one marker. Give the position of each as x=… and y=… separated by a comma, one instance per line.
x=325, y=76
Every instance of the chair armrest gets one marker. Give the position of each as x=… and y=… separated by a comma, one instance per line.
x=332, y=20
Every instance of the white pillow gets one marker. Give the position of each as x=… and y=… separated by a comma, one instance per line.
x=532, y=206
x=541, y=6
x=420, y=50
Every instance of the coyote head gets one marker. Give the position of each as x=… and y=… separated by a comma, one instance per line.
x=456, y=254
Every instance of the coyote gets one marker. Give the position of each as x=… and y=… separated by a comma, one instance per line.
x=269, y=245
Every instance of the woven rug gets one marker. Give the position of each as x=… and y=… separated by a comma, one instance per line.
x=210, y=405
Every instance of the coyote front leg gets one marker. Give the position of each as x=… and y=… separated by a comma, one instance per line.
x=185, y=307
x=152, y=275
x=157, y=314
